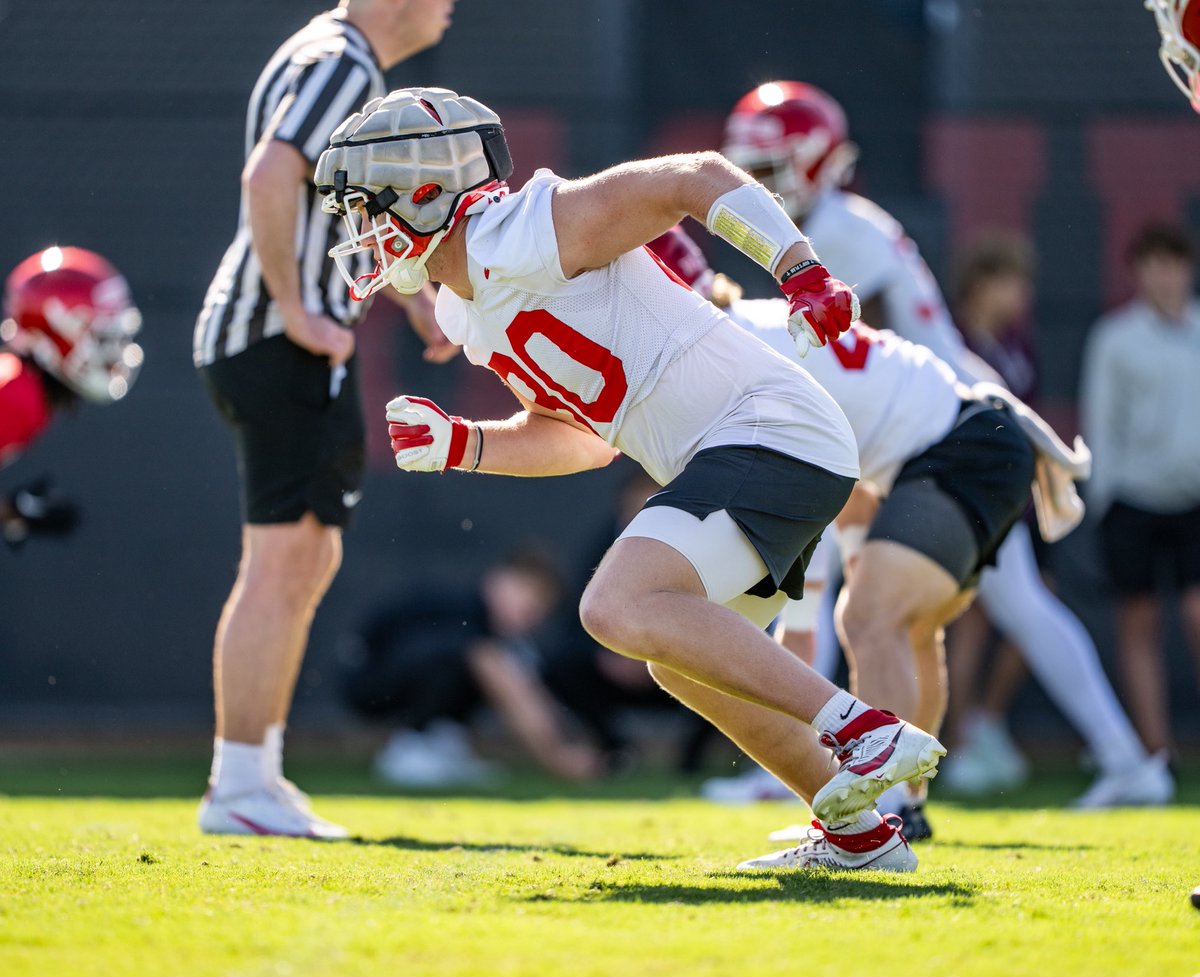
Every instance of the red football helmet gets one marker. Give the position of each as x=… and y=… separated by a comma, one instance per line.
x=70, y=311
x=676, y=250
x=1179, y=25
x=792, y=137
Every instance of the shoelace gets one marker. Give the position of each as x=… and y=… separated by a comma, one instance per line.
x=843, y=751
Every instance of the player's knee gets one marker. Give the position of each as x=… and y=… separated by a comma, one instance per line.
x=863, y=623
x=605, y=615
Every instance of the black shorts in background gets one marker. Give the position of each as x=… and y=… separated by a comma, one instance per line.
x=985, y=465
x=298, y=449
x=1143, y=549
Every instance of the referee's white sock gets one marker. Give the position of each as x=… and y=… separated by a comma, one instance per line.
x=237, y=768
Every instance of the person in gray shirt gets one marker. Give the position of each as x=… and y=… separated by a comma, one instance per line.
x=1141, y=408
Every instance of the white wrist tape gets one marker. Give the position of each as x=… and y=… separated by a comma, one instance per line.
x=752, y=220
x=850, y=540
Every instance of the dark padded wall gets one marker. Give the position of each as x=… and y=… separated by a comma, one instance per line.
x=121, y=130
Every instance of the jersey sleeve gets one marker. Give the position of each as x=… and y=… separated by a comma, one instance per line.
x=321, y=96
x=516, y=242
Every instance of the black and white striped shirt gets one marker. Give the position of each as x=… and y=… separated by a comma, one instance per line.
x=316, y=79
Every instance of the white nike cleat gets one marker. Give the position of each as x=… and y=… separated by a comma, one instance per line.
x=1148, y=784
x=881, y=849
x=876, y=750
x=269, y=811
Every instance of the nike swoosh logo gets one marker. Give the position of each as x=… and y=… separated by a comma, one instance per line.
x=877, y=761
x=849, y=709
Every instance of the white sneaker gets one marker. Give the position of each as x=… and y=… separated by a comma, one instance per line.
x=268, y=811
x=876, y=750
x=1148, y=784
x=882, y=849
x=438, y=757
x=988, y=760
x=755, y=784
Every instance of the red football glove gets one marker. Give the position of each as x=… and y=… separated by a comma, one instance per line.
x=424, y=437
x=820, y=308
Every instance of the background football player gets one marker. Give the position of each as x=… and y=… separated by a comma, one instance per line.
x=67, y=335
x=793, y=137
x=1179, y=30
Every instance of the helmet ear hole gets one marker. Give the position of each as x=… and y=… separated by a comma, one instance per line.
x=426, y=194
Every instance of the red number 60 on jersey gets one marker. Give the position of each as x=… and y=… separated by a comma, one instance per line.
x=547, y=391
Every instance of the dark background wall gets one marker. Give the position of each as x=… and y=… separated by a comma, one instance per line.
x=121, y=130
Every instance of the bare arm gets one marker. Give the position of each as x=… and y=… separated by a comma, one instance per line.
x=271, y=181
x=599, y=218
x=529, y=710
x=535, y=442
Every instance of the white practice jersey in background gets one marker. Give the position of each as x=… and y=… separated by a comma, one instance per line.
x=898, y=396
x=865, y=246
x=628, y=350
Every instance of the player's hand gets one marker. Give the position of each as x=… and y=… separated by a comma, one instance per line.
x=321, y=336
x=424, y=437
x=820, y=308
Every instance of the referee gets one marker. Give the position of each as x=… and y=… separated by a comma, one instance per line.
x=275, y=351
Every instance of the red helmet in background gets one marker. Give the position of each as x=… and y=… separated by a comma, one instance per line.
x=1179, y=27
x=792, y=137
x=676, y=250
x=70, y=311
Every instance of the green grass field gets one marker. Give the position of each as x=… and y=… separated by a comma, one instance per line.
x=102, y=872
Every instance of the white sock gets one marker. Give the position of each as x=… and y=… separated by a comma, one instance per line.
x=842, y=708
x=273, y=752
x=237, y=768
x=863, y=821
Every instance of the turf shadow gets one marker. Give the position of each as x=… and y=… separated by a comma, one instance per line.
x=405, y=843
x=787, y=887
x=1011, y=846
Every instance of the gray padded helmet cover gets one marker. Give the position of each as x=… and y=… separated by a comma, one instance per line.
x=406, y=140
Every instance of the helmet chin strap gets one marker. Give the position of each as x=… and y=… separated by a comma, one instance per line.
x=409, y=276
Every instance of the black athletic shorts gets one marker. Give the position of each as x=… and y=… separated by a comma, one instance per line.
x=298, y=448
x=782, y=504
x=982, y=468
x=1144, y=549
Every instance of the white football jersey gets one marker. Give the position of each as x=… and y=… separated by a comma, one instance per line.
x=628, y=350
x=898, y=396
x=865, y=246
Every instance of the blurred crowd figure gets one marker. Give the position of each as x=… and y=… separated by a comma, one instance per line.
x=426, y=664
x=434, y=668
x=1141, y=408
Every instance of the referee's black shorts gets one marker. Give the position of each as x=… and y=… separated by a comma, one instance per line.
x=298, y=448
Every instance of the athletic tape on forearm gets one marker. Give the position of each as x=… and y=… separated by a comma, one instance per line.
x=751, y=219
x=850, y=540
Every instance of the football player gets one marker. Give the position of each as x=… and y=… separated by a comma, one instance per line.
x=1179, y=29
x=793, y=137
x=606, y=350
x=67, y=335
x=946, y=472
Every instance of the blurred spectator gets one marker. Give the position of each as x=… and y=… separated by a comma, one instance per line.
x=430, y=662
x=1141, y=405
x=67, y=335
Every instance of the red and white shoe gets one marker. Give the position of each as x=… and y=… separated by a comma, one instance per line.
x=881, y=849
x=875, y=750
x=269, y=811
